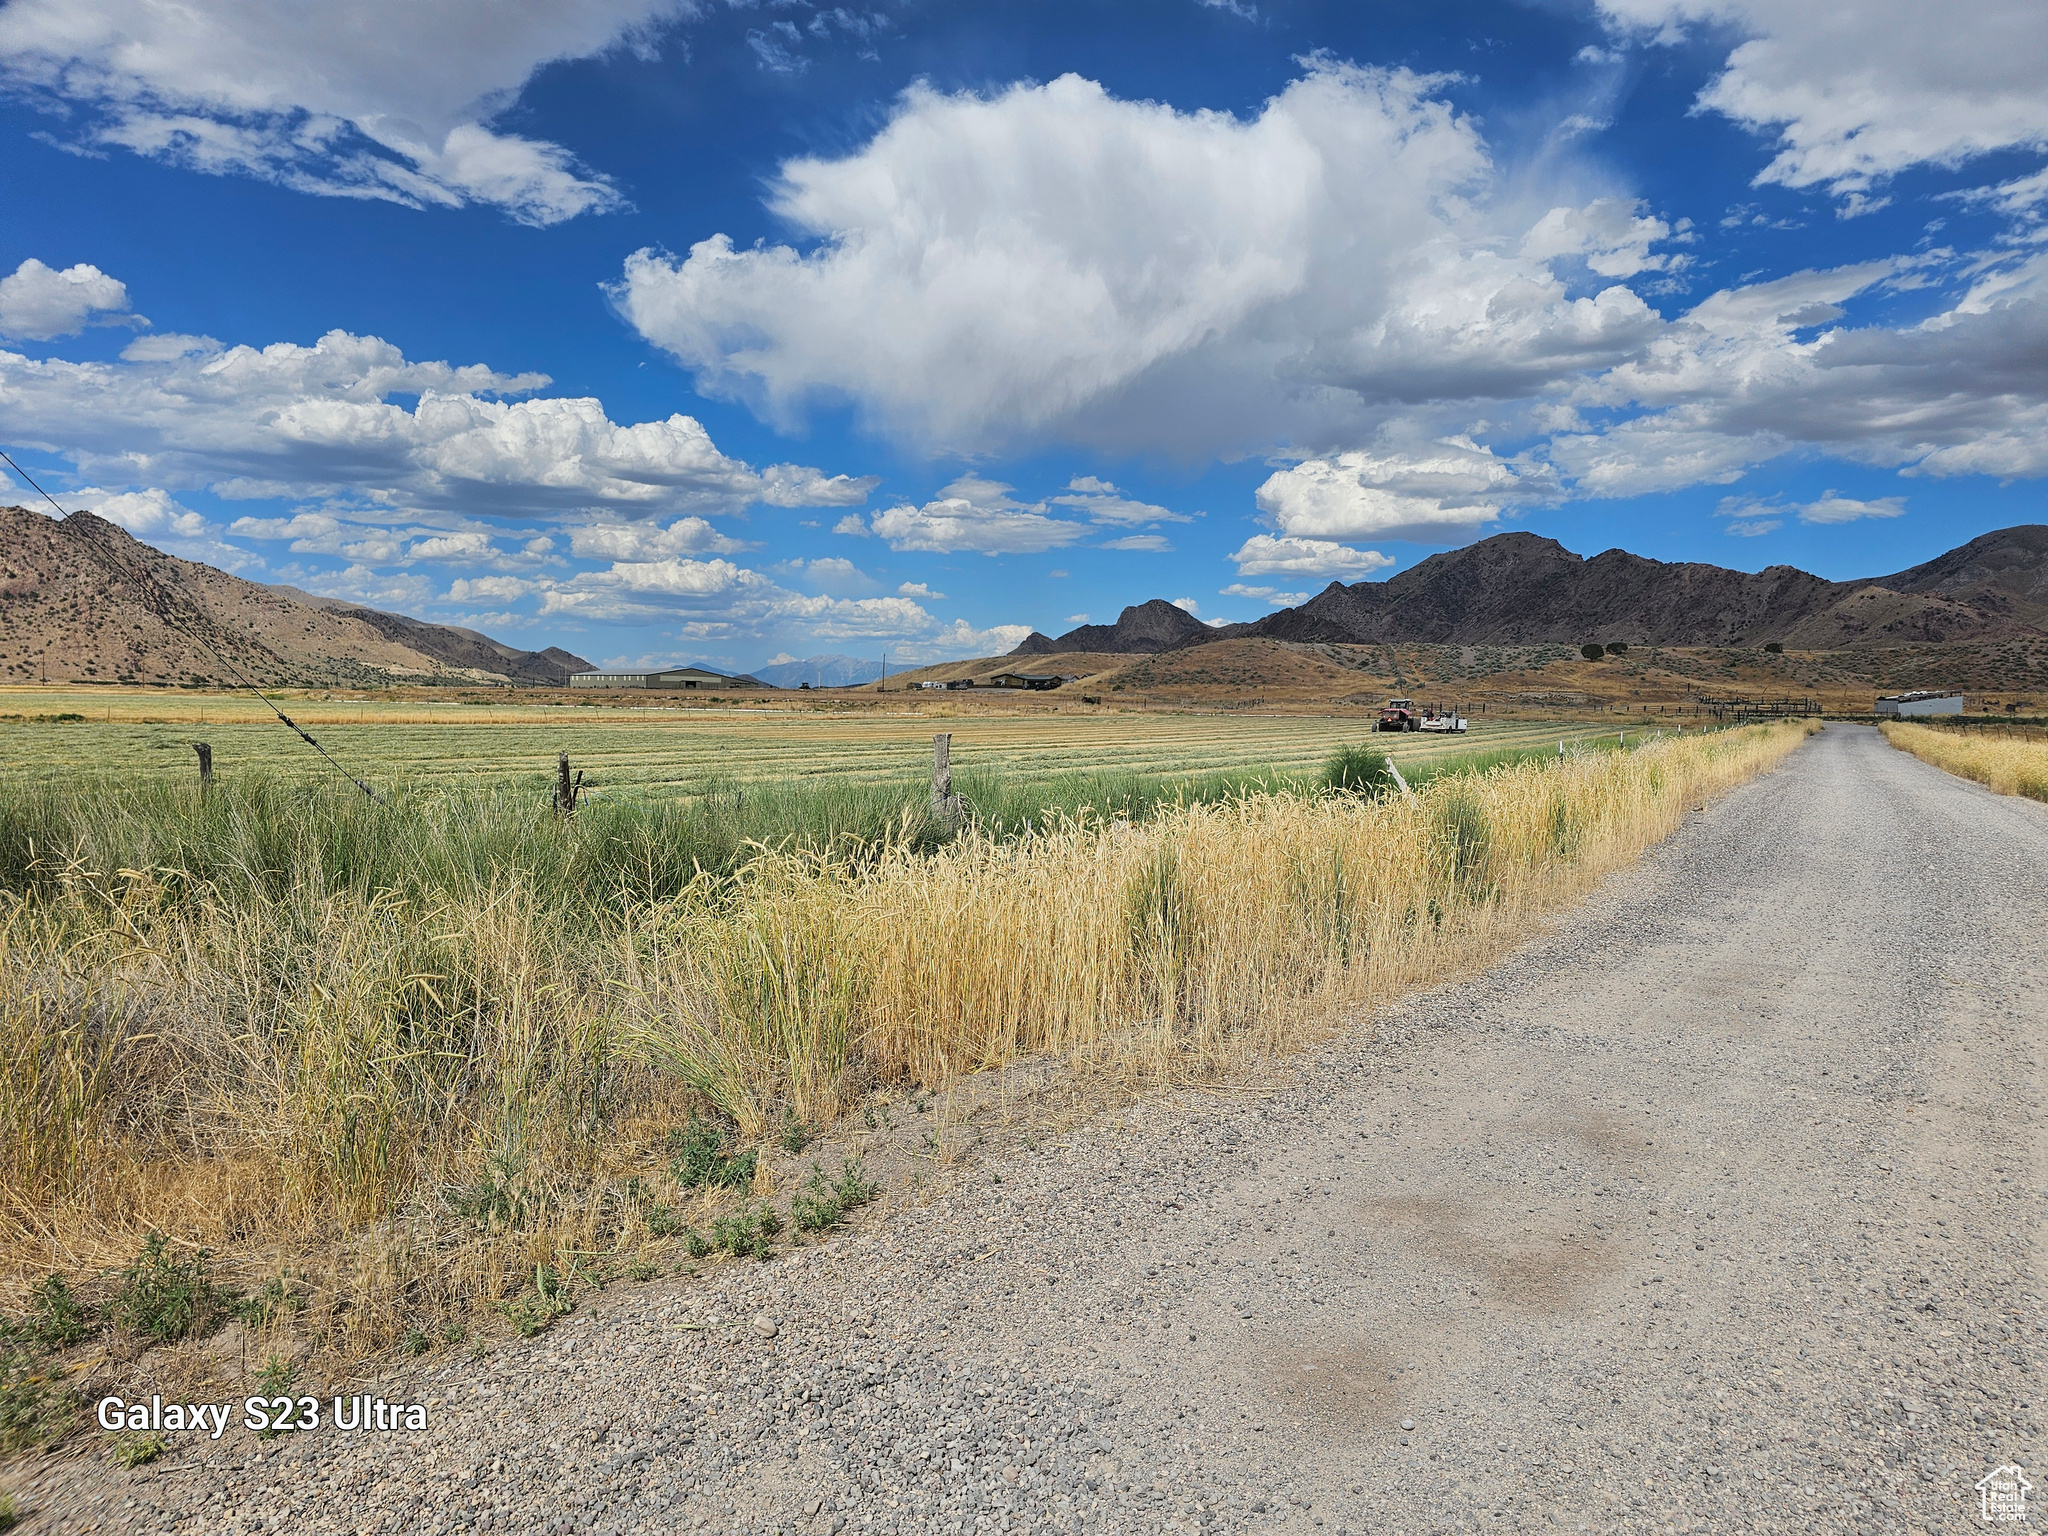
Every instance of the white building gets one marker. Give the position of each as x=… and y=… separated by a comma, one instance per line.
x=1923, y=703
x=663, y=677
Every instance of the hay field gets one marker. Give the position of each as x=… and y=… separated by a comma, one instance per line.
x=396, y=1065
x=2011, y=762
x=667, y=750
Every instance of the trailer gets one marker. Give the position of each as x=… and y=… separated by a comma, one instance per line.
x=1407, y=715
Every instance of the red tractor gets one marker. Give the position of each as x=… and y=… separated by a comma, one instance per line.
x=1400, y=715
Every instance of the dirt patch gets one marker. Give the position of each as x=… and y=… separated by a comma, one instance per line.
x=1536, y=1270
x=1342, y=1386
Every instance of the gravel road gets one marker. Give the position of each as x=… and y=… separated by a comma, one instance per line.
x=1717, y=1209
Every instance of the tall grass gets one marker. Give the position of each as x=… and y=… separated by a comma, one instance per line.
x=268, y=838
x=415, y=1051
x=2010, y=762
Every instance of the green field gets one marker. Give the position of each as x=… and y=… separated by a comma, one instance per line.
x=667, y=752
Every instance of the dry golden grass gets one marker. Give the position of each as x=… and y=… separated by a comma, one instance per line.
x=2008, y=761
x=413, y=1106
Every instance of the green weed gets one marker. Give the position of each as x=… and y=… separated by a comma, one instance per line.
x=854, y=1188
x=54, y=1317
x=703, y=1158
x=277, y=1297
x=166, y=1298
x=278, y=1378
x=746, y=1234
x=536, y=1313
x=34, y=1410
x=822, y=1204
x=138, y=1450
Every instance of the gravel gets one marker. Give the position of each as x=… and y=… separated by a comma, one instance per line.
x=1717, y=1208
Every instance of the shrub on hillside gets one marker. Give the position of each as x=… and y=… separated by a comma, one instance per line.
x=1592, y=651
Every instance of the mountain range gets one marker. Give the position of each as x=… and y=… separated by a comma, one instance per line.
x=827, y=671
x=81, y=600
x=1519, y=589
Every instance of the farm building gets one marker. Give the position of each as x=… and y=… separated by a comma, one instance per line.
x=1920, y=704
x=1034, y=681
x=662, y=677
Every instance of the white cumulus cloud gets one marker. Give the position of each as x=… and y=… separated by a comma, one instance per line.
x=961, y=638
x=1609, y=233
x=644, y=541
x=1756, y=372
x=1858, y=93
x=1833, y=508
x=1436, y=492
x=150, y=514
x=389, y=99
x=308, y=421
x=488, y=589
x=1271, y=596
x=1264, y=555
x=973, y=515
x=1100, y=502
x=1052, y=261
x=40, y=303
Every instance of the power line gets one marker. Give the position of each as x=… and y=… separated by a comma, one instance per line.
x=166, y=605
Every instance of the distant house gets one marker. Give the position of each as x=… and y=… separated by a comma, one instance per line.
x=934, y=684
x=662, y=677
x=1924, y=703
x=1034, y=681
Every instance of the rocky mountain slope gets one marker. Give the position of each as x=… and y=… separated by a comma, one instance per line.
x=1145, y=627
x=80, y=600
x=1519, y=589
x=1522, y=589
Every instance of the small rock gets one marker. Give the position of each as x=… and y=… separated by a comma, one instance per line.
x=1407, y=1423
x=766, y=1326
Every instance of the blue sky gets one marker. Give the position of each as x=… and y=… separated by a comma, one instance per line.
x=727, y=332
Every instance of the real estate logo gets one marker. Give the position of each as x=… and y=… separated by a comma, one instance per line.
x=2002, y=1495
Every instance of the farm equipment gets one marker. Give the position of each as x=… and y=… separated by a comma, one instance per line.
x=1405, y=715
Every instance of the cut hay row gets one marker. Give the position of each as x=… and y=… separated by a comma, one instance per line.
x=678, y=753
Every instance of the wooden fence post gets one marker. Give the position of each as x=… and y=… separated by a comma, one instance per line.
x=566, y=790
x=945, y=804
x=205, y=766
